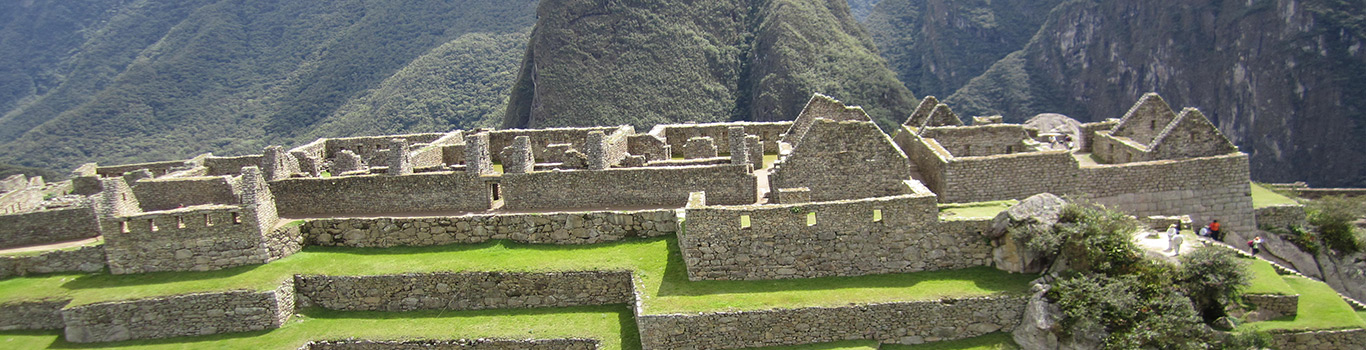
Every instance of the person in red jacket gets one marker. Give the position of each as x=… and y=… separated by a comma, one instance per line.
x=1215, y=231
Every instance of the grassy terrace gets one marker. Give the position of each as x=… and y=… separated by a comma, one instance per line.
x=1264, y=197
x=1265, y=280
x=656, y=262
x=1320, y=308
x=974, y=210
x=612, y=325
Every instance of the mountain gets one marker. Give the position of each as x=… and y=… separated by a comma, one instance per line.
x=1279, y=77
x=128, y=81
x=595, y=62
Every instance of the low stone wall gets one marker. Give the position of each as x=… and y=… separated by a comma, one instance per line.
x=192, y=239
x=230, y=165
x=48, y=226
x=476, y=344
x=180, y=315
x=373, y=194
x=83, y=259
x=1345, y=339
x=1280, y=216
x=166, y=194
x=1272, y=306
x=630, y=187
x=465, y=291
x=32, y=315
x=678, y=134
x=541, y=228
x=911, y=322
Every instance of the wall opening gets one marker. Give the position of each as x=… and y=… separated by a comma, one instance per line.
x=236, y=218
x=877, y=215
x=744, y=222
x=811, y=219
x=123, y=226
x=207, y=220
x=494, y=191
x=179, y=222
x=1152, y=125
x=153, y=224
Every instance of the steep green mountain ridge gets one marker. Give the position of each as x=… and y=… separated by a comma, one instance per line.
x=643, y=63
x=166, y=80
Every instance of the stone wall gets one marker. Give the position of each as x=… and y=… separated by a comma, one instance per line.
x=927, y=158
x=180, y=315
x=32, y=315
x=678, y=134
x=218, y=166
x=625, y=188
x=1012, y=176
x=165, y=194
x=537, y=228
x=372, y=194
x=191, y=239
x=1344, y=339
x=48, y=226
x=1209, y=188
x=373, y=149
x=465, y=291
x=157, y=168
x=842, y=238
x=983, y=140
x=843, y=160
x=476, y=344
x=83, y=259
x=1280, y=216
x=540, y=138
x=1270, y=306
x=21, y=200
x=1088, y=133
x=912, y=322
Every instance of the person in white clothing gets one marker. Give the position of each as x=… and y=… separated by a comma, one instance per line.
x=1172, y=233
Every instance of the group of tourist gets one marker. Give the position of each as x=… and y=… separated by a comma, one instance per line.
x=1212, y=231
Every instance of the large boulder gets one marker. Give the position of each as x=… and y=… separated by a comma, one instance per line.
x=1010, y=229
x=1040, y=328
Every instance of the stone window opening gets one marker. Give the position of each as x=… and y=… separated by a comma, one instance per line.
x=494, y=192
x=207, y=221
x=811, y=219
x=123, y=227
x=236, y=218
x=153, y=224
x=744, y=222
x=179, y=222
x=877, y=215
x=1152, y=125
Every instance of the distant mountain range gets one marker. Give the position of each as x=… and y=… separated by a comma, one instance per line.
x=121, y=81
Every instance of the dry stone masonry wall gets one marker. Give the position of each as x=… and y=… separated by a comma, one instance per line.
x=48, y=226
x=911, y=322
x=1271, y=306
x=626, y=188
x=1343, y=339
x=540, y=228
x=181, y=315
x=466, y=290
x=426, y=192
x=476, y=344
x=87, y=259
x=32, y=315
x=1280, y=216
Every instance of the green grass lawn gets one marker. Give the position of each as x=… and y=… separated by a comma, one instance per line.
x=1265, y=280
x=974, y=210
x=993, y=341
x=611, y=325
x=656, y=262
x=844, y=345
x=1264, y=197
x=1320, y=308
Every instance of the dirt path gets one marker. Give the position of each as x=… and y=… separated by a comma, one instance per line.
x=53, y=246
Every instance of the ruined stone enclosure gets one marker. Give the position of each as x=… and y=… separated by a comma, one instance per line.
x=837, y=197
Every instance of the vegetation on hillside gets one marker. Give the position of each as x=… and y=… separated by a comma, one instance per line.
x=170, y=80
x=1335, y=221
x=700, y=61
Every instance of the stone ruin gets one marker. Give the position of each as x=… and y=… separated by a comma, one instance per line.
x=845, y=196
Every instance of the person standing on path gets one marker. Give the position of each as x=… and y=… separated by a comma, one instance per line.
x=1172, y=233
x=1176, y=244
x=1215, y=231
x=1256, y=244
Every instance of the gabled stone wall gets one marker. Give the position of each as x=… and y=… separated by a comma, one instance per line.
x=843, y=160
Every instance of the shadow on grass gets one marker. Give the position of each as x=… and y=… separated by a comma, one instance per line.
x=106, y=280
x=676, y=281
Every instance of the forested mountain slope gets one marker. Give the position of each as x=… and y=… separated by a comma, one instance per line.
x=1280, y=77
x=156, y=79
x=643, y=63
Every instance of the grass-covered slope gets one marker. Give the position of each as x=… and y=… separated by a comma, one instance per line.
x=708, y=60
x=169, y=80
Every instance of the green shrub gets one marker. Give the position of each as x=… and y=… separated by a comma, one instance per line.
x=1333, y=217
x=1133, y=313
x=1212, y=277
x=1095, y=239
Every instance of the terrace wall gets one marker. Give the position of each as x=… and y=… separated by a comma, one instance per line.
x=1343, y=339
x=844, y=240
x=83, y=259
x=166, y=194
x=630, y=187
x=48, y=226
x=32, y=315
x=465, y=291
x=1270, y=306
x=374, y=194
x=191, y=239
x=180, y=315
x=1280, y=216
x=911, y=322
x=475, y=344
x=538, y=228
